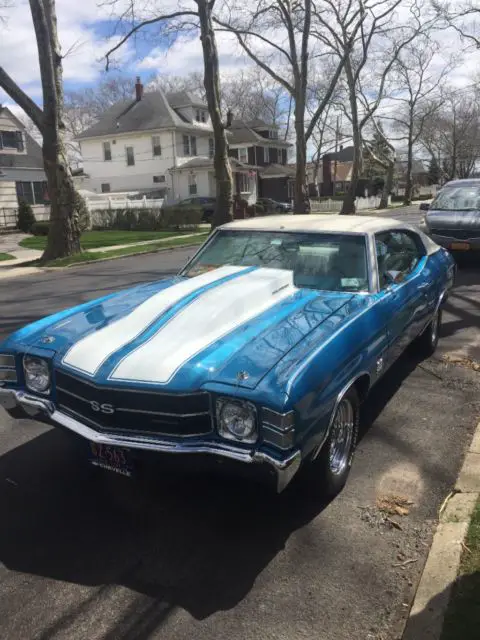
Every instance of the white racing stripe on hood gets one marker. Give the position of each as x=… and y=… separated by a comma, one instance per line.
x=213, y=315
x=90, y=352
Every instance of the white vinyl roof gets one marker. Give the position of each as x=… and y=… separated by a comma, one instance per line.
x=312, y=223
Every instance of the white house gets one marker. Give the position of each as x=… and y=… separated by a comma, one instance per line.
x=155, y=142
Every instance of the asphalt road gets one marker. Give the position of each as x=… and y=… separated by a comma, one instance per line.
x=84, y=556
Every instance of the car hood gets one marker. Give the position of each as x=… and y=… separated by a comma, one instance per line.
x=453, y=219
x=231, y=325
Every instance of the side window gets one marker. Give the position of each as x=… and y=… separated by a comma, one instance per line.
x=398, y=252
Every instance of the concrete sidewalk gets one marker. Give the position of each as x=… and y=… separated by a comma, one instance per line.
x=21, y=255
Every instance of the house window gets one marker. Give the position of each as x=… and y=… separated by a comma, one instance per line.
x=32, y=192
x=189, y=145
x=192, y=184
x=243, y=183
x=200, y=115
x=273, y=134
x=105, y=187
x=130, y=156
x=107, y=152
x=159, y=179
x=156, y=146
x=11, y=140
x=266, y=155
x=243, y=154
x=211, y=147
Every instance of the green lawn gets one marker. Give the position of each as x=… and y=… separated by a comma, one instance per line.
x=91, y=256
x=94, y=239
x=6, y=256
x=462, y=621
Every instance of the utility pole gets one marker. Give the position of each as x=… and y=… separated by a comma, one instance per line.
x=337, y=138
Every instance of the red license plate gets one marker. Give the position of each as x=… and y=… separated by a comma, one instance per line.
x=116, y=459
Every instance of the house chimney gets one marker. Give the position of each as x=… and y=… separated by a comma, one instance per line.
x=138, y=89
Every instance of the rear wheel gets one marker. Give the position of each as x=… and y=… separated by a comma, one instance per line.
x=325, y=475
x=427, y=342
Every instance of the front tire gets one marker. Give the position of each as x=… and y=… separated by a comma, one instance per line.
x=427, y=342
x=326, y=473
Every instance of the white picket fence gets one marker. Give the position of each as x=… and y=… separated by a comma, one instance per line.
x=336, y=205
x=104, y=204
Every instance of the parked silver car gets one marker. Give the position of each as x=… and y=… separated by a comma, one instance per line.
x=453, y=218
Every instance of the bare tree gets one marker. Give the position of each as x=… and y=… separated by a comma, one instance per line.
x=64, y=234
x=384, y=155
x=191, y=82
x=461, y=15
x=418, y=76
x=451, y=134
x=284, y=30
x=369, y=59
x=198, y=17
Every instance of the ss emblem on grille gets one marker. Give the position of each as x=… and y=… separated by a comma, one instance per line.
x=102, y=408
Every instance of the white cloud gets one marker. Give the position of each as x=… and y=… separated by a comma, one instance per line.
x=78, y=37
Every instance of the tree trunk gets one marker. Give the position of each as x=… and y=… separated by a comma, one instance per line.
x=409, y=177
x=388, y=186
x=348, y=205
x=301, y=200
x=223, y=173
x=64, y=236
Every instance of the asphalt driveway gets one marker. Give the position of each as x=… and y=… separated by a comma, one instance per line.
x=99, y=557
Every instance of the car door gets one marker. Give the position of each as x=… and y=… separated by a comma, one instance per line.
x=401, y=261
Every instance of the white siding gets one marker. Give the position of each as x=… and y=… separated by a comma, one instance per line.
x=122, y=177
x=181, y=183
x=8, y=195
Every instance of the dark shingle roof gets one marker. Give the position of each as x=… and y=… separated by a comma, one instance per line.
x=151, y=112
x=242, y=133
x=278, y=170
x=179, y=99
x=344, y=155
x=33, y=158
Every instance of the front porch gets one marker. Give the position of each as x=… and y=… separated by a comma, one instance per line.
x=196, y=178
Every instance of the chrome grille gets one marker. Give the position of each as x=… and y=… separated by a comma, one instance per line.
x=122, y=411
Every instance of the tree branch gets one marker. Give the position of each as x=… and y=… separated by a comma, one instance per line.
x=32, y=110
x=139, y=26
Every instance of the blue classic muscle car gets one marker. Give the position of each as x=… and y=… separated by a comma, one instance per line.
x=259, y=353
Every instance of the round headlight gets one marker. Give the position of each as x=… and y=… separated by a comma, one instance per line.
x=37, y=374
x=237, y=421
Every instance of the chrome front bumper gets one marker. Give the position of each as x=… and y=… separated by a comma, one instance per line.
x=32, y=406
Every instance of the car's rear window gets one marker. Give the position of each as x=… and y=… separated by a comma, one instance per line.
x=327, y=261
x=457, y=199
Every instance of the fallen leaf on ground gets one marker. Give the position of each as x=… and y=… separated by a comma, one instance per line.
x=394, y=504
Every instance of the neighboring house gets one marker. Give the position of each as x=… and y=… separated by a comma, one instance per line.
x=419, y=172
x=21, y=166
x=256, y=144
x=156, y=141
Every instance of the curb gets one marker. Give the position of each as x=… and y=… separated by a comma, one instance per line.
x=27, y=271
x=443, y=561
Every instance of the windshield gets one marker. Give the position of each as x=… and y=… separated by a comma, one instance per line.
x=331, y=262
x=457, y=199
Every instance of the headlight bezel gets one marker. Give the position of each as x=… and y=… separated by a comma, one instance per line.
x=224, y=432
x=37, y=360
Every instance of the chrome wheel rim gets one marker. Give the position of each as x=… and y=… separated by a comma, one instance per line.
x=341, y=436
x=434, y=329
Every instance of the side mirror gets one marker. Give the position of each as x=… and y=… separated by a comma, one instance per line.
x=424, y=206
